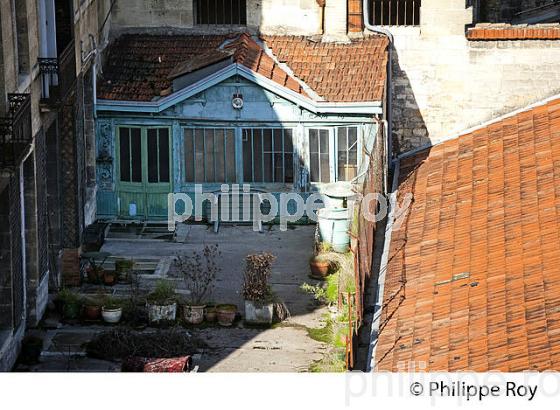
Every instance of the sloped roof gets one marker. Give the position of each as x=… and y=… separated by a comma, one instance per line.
x=338, y=72
x=140, y=67
x=473, y=279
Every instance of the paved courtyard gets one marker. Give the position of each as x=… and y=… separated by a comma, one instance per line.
x=282, y=348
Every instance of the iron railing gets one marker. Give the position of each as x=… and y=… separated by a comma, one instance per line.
x=15, y=130
x=395, y=12
x=58, y=76
x=18, y=283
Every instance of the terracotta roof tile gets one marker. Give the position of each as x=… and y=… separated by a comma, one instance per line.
x=141, y=67
x=494, y=32
x=473, y=281
x=350, y=72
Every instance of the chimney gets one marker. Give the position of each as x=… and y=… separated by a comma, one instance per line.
x=355, y=16
x=335, y=19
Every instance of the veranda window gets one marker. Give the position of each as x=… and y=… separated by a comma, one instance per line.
x=210, y=155
x=222, y=12
x=268, y=155
x=333, y=154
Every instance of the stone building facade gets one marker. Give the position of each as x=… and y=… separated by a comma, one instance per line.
x=47, y=59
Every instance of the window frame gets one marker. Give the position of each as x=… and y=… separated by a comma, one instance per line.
x=333, y=150
x=242, y=15
x=184, y=153
x=283, y=128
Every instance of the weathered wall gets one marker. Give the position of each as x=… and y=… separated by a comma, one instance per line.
x=444, y=84
x=268, y=16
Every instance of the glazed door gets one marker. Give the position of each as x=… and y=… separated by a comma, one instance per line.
x=144, y=165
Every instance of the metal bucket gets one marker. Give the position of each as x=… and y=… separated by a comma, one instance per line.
x=334, y=226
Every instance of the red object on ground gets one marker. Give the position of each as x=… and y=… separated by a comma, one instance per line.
x=150, y=365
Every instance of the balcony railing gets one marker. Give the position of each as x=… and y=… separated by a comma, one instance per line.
x=395, y=12
x=15, y=130
x=58, y=76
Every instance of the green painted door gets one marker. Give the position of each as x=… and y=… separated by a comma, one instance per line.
x=144, y=164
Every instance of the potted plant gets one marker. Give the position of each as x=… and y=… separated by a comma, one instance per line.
x=111, y=310
x=70, y=302
x=199, y=273
x=109, y=277
x=162, y=303
x=259, y=304
x=92, y=309
x=210, y=313
x=225, y=314
x=123, y=268
x=320, y=266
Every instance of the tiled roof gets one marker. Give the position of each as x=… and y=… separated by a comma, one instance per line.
x=337, y=72
x=473, y=279
x=140, y=67
x=494, y=32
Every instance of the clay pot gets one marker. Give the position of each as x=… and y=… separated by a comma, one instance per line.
x=95, y=276
x=92, y=312
x=320, y=269
x=109, y=278
x=162, y=314
x=210, y=313
x=258, y=313
x=193, y=315
x=226, y=314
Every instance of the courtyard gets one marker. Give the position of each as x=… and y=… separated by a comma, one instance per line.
x=283, y=347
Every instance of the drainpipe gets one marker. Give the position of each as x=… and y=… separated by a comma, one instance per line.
x=389, y=106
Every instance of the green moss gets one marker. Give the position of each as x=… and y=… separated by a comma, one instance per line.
x=332, y=362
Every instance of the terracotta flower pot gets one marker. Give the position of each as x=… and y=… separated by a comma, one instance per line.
x=109, y=278
x=226, y=314
x=320, y=269
x=92, y=312
x=210, y=313
x=94, y=276
x=193, y=315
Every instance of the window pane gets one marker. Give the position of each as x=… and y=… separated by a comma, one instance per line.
x=152, y=155
x=124, y=150
x=230, y=156
x=199, y=164
x=189, y=153
x=219, y=149
x=163, y=155
x=347, y=152
x=319, y=155
x=136, y=157
x=209, y=158
x=247, y=156
x=257, y=156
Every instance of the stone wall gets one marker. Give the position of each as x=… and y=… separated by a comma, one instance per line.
x=268, y=16
x=444, y=84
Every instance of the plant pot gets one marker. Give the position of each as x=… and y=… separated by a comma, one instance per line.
x=109, y=278
x=226, y=314
x=95, y=276
x=210, y=313
x=158, y=314
x=71, y=311
x=111, y=314
x=123, y=268
x=193, y=314
x=320, y=269
x=92, y=312
x=258, y=313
